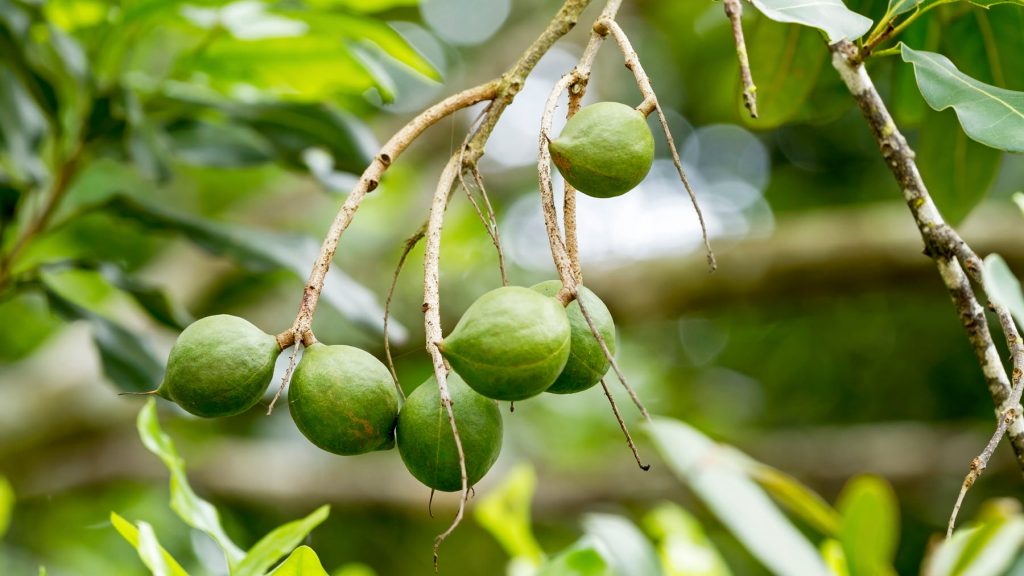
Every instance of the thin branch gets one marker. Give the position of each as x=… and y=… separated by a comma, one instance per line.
x=432, y=324
x=407, y=248
x=547, y=196
x=622, y=426
x=577, y=89
x=369, y=181
x=952, y=256
x=489, y=220
x=734, y=11
x=287, y=373
x=611, y=359
x=650, y=104
x=500, y=92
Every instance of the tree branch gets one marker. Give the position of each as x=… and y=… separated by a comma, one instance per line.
x=734, y=11
x=946, y=248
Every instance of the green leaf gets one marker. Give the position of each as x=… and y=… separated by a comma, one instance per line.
x=832, y=552
x=785, y=62
x=1018, y=199
x=991, y=115
x=259, y=250
x=290, y=128
x=830, y=16
x=623, y=546
x=302, y=562
x=716, y=475
x=580, y=559
x=360, y=29
x=957, y=170
x=683, y=547
x=219, y=145
x=28, y=310
x=127, y=359
x=153, y=300
x=6, y=505
x=1003, y=287
x=152, y=554
x=505, y=513
x=279, y=542
x=354, y=569
x=987, y=549
x=897, y=7
x=797, y=498
x=869, y=526
x=195, y=511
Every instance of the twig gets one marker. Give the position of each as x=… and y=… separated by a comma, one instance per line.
x=500, y=92
x=622, y=426
x=547, y=196
x=577, y=89
x=367, y=183
x=949, y=252
x=287, y=374
x=489, y=220
x=611, y=359
x=734, y=11
x=432, y=324
x=650, y=104
x=407, y=247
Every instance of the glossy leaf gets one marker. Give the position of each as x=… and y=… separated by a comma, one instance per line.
x=279, y=542
x=195, y=511
x=869, y=526
x=623, y=545
x=830, y=16
x=127, y=359
x=683, y=547
x=797, y=498
x=717, y=477
x=580, y=559
x=1003, y=287
x=505, y=513
x=302, y=562
x=786, y=62
x=290, y=128
x=957, y=170
x=987, y=549
x=260, y=250
x=991, y=115
x=152, y=554
x=6, y=505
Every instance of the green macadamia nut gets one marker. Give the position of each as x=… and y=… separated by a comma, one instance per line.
x=510, y=344
x=219, y=366
x=343, y=400
x=605, y=150
x=587, y=363
x=427, y=445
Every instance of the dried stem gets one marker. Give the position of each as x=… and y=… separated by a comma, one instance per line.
x=432, y=323
x=622, y=426
x=650, y=104
x=952, y=256
x=611, y=359
x=407, y=248
x=547, y=196
x=734, y=11
x=287, y=374
x=489, y=220
x=577, y=89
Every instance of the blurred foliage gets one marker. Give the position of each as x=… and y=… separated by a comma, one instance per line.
x=163, y=160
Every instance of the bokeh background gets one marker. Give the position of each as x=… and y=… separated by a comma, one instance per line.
x=825, y=344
